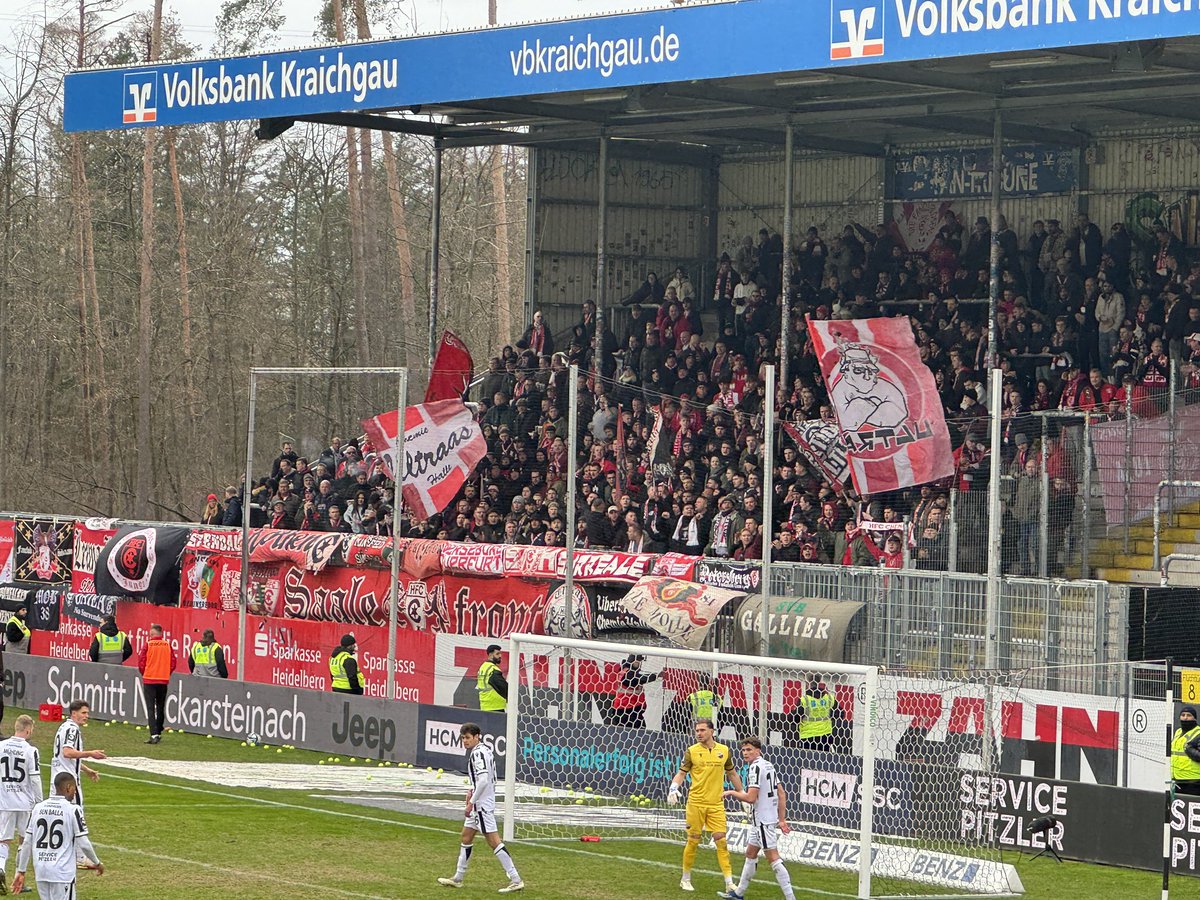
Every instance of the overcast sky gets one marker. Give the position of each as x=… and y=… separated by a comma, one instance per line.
x=198, y=18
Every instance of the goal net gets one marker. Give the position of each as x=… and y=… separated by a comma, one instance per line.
x=597, y=730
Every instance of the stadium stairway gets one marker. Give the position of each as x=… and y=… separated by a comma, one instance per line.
x=1110, y=561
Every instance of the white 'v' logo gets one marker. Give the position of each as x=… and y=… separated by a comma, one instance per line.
x=858, y=23
x=141, y=96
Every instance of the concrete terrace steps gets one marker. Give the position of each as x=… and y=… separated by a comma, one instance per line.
x=1110, y=561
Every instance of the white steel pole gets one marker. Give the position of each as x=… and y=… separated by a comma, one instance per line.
x=568, y=702
x=768, y=508
x=247, y=483
x=867, y=824
x=992, y=636
x=401, y=467
x=510, y=736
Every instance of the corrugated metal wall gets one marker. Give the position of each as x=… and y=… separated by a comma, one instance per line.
x=656, y=220
x=1143, y=176
x=829, y=192
x=657, y=211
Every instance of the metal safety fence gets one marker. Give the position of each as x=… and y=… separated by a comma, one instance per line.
x=935, y=621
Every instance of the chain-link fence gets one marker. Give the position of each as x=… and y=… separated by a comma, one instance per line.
x=936, y=621
x=1078, y=488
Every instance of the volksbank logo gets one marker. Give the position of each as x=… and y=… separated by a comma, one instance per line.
x=856, y=28
x=140, y=100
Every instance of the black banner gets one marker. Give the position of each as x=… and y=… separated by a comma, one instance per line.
x=90, y=608
x=734, y=576
x=44, y=605
x=43, y=551
x=596, y=610
x=142, y=562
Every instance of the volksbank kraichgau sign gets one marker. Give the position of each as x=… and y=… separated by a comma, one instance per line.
x=680, y=44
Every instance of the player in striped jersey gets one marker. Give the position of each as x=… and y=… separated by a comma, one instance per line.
x=481, y=811
x=769, y=801
x=20, y=786
x=55, y=835
x=68, y=750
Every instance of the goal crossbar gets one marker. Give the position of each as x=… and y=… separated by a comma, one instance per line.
x=868, y=674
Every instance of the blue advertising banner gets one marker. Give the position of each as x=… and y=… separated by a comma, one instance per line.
x=439, y=744
x=1028, y=170
x=681, y=44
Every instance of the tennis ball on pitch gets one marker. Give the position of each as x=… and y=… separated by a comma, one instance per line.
x=243, y=743
x=579, y=801
x=337, y=759
x=209, y=736
x=126, y=722
x=370, y=777
x=646, y=802
x=320, y=762
x=440, y=771
x=280, y=750
x=107, y=724
x=588, y=788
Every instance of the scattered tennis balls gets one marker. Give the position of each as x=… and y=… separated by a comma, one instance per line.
x=320, y=762
x=243, y=743
x=579, y=801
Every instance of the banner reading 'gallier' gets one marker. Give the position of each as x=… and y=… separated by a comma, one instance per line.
x=886, y=403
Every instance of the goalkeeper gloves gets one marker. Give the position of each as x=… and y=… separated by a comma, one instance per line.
x=673, y=795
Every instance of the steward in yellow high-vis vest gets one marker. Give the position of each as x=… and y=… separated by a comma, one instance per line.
x=491, y=683
x=704, y=702
x=16, y=632
x=346, y=677
x=207, y=658
x=110, y=644
x=1185, y=753
x=816, y=724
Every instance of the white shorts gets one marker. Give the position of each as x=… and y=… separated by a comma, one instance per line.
x=482, y=821
x=12, y=823
x=55, y=890
x=765, y=837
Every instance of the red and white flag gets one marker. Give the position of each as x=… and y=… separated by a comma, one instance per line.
x=821, y=444
x=452, y=370
x=886, y=403
x=442, y=445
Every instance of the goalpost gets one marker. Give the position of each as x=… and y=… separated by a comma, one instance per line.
x=586, y=759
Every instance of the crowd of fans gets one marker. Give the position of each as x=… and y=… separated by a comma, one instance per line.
x=1085, y=324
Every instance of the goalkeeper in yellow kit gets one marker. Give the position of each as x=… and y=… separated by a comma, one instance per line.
x=709, y=764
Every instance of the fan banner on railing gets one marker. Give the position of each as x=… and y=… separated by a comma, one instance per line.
x=680, y=611
x=442, y=446
x=142, y=561
x=41, y=551
x=821, y=444
x=452, y=369
x=6, y=550
x=886, y=403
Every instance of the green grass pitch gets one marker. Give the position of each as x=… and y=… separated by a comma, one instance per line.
x=164, y=837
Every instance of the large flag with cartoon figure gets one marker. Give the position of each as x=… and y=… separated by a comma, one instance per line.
x=886, y=403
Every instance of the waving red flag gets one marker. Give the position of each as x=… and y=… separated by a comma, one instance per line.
x=886, y=403
x=442, y=446
x=452, y=370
